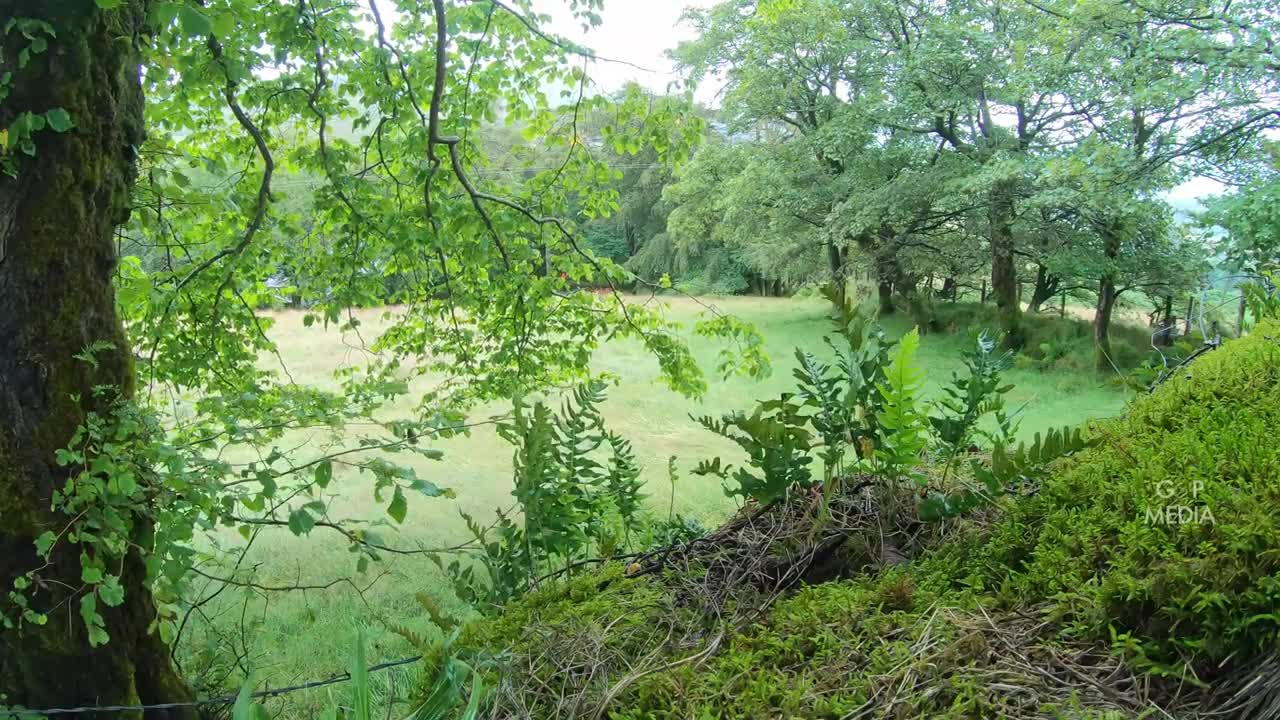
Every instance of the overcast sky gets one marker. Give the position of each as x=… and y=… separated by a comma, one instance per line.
x=637, y=31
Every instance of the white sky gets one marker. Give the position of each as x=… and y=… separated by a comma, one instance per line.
x=637, y=31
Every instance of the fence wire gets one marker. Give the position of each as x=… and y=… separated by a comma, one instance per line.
x=32, y=714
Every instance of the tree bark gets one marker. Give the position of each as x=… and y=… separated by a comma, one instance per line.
x=1045, y=288
x=835, y=263
x=1004, y=271
x=56, y=262
x=1107, y=296
x=1102, y=323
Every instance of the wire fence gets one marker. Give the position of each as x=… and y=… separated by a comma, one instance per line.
x=33, y=714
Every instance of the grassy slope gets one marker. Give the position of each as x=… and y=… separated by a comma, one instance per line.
x=1075, y=602
x=308, y=634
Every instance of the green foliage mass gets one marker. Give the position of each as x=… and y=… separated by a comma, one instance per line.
x=1175, y=505
x=1090, y=563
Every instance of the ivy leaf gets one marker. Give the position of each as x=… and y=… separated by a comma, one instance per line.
x=398, y=507
x=109, y=4
x=90, y=575
x=59, y=120
x=301, y=522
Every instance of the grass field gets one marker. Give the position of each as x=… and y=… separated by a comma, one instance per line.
x=302, y=635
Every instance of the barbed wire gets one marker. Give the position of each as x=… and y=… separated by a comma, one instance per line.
x=25, y=714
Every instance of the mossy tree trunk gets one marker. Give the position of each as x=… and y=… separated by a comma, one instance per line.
x=1004, y=270
x=1045, y=288
x=57, y=218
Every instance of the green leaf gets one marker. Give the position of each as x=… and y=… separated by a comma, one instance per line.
x=243, y=709
x=59, y=119
x=398, y=508
x=44, y=542
x=109, y=4
x=324, y=473
x=93, y=621
x=111, y=592
x=193, y=21
x=90, y=575
x=361, y=697
x=301, y=522
x=225, y=25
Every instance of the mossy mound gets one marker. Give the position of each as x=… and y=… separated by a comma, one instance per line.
x=1141, y=580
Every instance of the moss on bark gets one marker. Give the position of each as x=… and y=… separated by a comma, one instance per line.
x=56, y=300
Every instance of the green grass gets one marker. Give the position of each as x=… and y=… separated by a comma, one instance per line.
x=306, y=635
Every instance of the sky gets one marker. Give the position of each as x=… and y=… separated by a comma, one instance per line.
x=637, y=31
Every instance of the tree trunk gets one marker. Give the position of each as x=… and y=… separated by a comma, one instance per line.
x=1004, y=271
x=56, y=262
x=884, y=294
x=918, y=305
x=1046, y=287
x=835, y=263
x=949, y=289
x=1102, y=323
x=1168, y=325
x=1106, y=304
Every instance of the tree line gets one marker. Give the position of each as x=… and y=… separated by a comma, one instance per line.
x=1025, y=150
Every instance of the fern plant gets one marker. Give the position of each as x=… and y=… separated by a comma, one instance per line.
x=971, y=397
x=777, y=442
x=577, y=489
x=865, y=412
x=1007, y=470
x=901, y=423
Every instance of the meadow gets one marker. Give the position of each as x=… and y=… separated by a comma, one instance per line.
x=288, y=637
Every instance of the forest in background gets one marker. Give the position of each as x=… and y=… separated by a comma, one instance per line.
x=171, y=171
